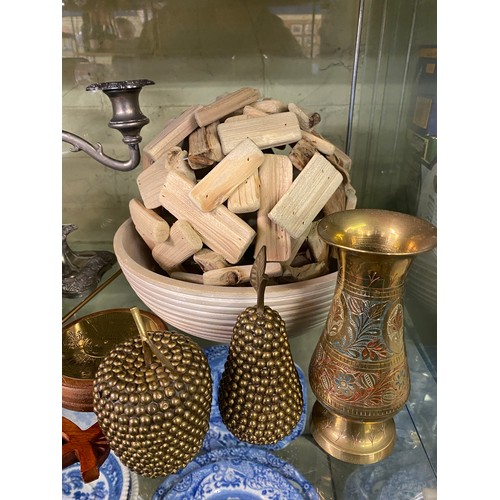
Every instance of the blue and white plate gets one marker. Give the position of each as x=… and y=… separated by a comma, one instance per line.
x=113, y=482
x=247, y=454
x=232, y=478
x=218, y=436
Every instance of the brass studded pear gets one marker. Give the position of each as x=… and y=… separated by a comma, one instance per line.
x=260, y=395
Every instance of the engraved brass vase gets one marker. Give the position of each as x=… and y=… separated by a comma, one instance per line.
x=359, y=371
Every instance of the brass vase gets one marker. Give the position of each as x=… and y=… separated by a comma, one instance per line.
x=359, y=370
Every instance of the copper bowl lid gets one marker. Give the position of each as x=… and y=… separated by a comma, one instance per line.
x=85, y=343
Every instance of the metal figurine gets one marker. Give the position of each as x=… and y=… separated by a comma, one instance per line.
x=82, y=271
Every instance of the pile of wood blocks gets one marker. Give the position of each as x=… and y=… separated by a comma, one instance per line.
x=223, y=179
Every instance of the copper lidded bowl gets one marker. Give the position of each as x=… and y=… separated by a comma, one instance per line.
x=210, y=312
x=86, y=341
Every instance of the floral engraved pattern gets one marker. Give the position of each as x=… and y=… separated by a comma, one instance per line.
x=395, y=328
x=363, y=337
x=335, y=318
x=345, y=384
x=363, y=389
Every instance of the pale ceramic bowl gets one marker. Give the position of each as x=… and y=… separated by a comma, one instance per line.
x=210, y=312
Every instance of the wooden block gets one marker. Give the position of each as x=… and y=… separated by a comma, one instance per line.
x=345, y=196
x=307, y=119
x=226, y=105
x=237, y=118
x=173, y=134
x=150, y=181
x=176, y=159
x=340, y=159
x=189, y=277
x=266, y=131
x=183, y=242
x=270, y=105
x=221, y=230
x=204, y=147
x=146, y=159
x=307, y=271
x=296, y=245
x=301, y=153
x=246, y=197
x=318, y=248
x=153, y=228
x=208, y=259
x=276, y=177
x=337, y=201
x=215, y=188
x=351, y=198
x=235, y=275
x=321, y=144
x=251, y=111
x=307, y=195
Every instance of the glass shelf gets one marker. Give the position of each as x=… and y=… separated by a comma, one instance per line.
x=408, y=470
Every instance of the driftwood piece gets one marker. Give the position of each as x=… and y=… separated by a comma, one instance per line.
x=173, y=134
x=150, y=181
x=276, y=177
x=270, y=105
x=345, y=196
x=337, y=202
x=307, y=195
x=237, y=118
x=152, y=228
x=226, y=105
x=250, y=110
x=265, y=131
x=189, y=277
x=235, y=275
x=246, y=197
x=301, y=153
x=340, y=159
x=215, y=188
x=318, y=248
x=204, y=147
x=296, y=245
x=221, y=230
x=307, y=271
x=321, y=144
x=307, y=119
x=208, y=259
x=183, y=242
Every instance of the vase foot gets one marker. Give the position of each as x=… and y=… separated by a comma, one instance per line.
x=352, y=441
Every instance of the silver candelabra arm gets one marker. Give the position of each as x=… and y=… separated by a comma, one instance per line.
x=127, y=118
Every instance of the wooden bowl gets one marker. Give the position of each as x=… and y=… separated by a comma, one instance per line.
x=210, y=312
x=86, y=341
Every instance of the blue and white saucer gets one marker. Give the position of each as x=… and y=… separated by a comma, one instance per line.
x=218, y=436
x=232, y=478
x=113, y=482
x=246, y=454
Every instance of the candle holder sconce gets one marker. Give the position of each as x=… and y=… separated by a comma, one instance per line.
x=82, y=271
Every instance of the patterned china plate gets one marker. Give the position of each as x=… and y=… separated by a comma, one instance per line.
x=232, y=478
x=247, y=454
x=113, y=482
x=218, y=436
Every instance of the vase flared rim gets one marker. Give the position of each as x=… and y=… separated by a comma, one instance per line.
x=378, y=232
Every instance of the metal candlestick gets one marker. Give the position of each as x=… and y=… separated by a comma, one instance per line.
x=82, y=271
x=127, y=118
